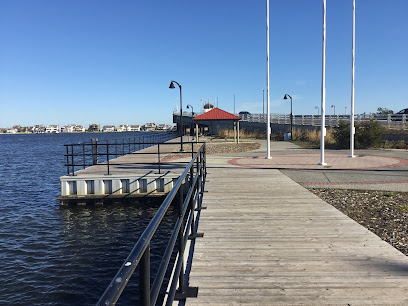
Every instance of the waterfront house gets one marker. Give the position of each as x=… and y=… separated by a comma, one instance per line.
x=164, y=127
x=11, y=131
x=79, y=128
x=52, y=129
x=39, y=129
x=124, y=128
x=67, y=128
x=94, y=128
x=135, y=128
x=108, y=128
x=149, y=127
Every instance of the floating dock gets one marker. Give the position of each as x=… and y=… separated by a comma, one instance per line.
x=134, y=175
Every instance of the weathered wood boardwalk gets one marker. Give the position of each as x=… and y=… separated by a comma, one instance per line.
x=269, y=241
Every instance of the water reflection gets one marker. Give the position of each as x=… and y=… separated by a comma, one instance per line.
x=97, y=239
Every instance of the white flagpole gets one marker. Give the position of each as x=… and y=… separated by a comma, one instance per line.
x=352, y=129
x=323, y=113
x=268, y=121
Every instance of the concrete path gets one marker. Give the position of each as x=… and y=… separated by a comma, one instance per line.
x=269, y=241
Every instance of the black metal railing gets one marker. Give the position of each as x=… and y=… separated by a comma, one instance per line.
x=185, y=228
x=82, y=155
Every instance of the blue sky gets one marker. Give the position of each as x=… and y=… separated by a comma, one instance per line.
x=111, y=62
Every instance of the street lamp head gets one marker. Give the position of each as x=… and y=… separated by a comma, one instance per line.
x=171, y=85
x=332, y=106
x=285, y=97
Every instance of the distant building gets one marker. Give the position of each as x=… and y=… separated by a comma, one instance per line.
x=39, y=129
x=135, y=128
x=67, y=128
x=52, y=129
x=78, y=129
x=11, y=131
x=108, y=128
x=124, y=128
x=164, y=127
x=149, y=127
x=207, y=107
x=94, y=128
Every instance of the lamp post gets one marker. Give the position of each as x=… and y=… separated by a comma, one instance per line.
x=334, y=107
x=181, y=113
x=192, y=110
x=285, y=97
x=318, y=110
x=192, y=116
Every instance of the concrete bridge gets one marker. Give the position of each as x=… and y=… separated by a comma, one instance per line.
x=280, y=123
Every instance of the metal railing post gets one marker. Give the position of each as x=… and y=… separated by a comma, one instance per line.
x=72, y=160
x=94, y=142
x=107, y=156
x=158, y=155
x=192, y=204
x=181, y=241
x=83, y=154
x=144, y=278
x=67, y=159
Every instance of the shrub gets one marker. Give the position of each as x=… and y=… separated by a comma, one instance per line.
x=369, y=134
x=341, y=135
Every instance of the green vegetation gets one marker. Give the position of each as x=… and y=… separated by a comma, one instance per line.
x=368, y=135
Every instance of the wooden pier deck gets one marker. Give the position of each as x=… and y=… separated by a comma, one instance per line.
x=269, y=241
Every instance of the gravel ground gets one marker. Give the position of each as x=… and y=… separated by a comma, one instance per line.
x=219, y=147
x=384, y=213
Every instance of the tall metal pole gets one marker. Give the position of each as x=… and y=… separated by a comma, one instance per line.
x=352, y=129
x=263, y=103
x=323, y=113
x=268, y=121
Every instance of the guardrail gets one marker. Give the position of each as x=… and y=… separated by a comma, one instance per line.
x=100, y=152
x=185, y=228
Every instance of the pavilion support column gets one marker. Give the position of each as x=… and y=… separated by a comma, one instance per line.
x=237, y=131
x=196, y=132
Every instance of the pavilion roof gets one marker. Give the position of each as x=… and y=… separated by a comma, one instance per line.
x=216, y=114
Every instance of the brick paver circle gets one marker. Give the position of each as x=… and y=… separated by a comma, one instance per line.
x=311, y=161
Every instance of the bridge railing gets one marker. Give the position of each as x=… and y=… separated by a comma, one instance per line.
x=185, y=228
x=390, y=121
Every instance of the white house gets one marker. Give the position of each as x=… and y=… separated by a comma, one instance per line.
x=135, y=128
x=52, y=129
x=149, y=127
x=38, y=129
x=108, y=128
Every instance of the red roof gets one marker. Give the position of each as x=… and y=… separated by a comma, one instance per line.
x=216, y=114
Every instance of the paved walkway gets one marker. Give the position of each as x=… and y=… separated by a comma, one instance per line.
x=380, y=169
x=269, y=241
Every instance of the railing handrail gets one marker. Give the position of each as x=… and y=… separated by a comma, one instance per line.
x=78, y=154
x=392, y=121
x=122, y=277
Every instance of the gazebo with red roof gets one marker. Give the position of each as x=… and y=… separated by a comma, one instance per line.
x=218, y=114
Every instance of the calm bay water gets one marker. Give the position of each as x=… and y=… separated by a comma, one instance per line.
x=52, y=255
